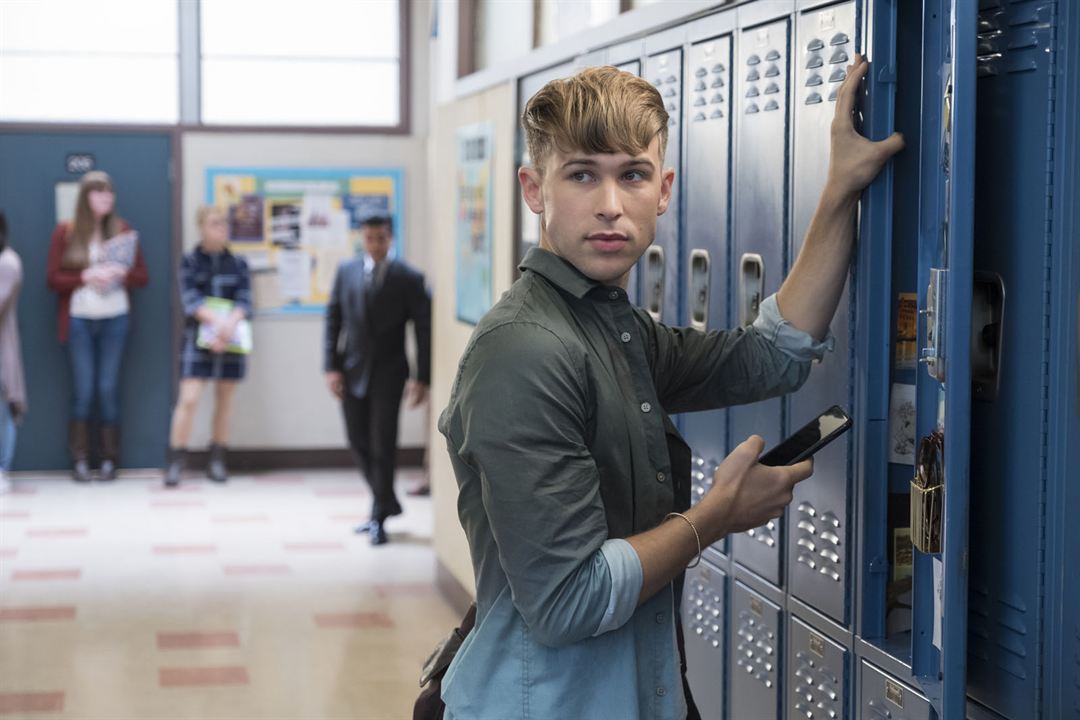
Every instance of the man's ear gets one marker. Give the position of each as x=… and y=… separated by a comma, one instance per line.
x=530, y=180
x=666, y=183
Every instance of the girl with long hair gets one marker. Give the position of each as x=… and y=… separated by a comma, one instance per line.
x=93, y=263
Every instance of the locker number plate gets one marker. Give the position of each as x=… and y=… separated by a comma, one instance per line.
x=894, y=693
x=817, y=645
x=756, y=607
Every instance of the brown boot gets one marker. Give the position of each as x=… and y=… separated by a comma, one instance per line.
x=78, y=446
x=110, y=452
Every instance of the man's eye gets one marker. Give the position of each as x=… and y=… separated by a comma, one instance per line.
x=635, y=176
x=581, y=177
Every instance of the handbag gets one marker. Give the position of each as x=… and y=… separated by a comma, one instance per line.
x=429, y=704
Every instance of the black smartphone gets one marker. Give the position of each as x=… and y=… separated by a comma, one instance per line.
x=808, y=439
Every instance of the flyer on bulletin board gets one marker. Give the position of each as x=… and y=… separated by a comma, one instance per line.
x=294, y=226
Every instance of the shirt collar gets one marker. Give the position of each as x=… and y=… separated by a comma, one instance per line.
x=558, y=272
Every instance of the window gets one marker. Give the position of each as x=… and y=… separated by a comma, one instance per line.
x=82, y=61
x=327, y=62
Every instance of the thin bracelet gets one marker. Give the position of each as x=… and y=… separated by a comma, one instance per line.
x=696, y=535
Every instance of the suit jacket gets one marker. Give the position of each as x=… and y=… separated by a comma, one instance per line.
x=365, y=333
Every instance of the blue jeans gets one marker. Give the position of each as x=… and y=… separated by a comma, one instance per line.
x=7, y=436
x=96, y=348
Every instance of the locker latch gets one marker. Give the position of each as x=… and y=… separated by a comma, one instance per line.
x=987, y=331
x=654, y=282
x=699, y=289
x=751, y=287
x=934, y=311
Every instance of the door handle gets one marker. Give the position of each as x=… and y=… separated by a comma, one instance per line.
x=751, y=287
x=987, y=333
x=698, y=289
x=654, y=282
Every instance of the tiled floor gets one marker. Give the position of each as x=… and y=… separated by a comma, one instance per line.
x=247, y=601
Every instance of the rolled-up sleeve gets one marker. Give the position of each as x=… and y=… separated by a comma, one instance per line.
x=786, y=337
x=520, y=427
x=624, y=566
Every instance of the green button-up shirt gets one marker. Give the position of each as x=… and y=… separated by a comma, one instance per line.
x=558, y=429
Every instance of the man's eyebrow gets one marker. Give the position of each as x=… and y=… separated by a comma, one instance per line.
x=589, y=162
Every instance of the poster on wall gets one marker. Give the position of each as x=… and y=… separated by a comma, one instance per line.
x=474, y=242
x=294, y=226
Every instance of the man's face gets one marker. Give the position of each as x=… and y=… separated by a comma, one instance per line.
x=377, y=240
x=599, y=211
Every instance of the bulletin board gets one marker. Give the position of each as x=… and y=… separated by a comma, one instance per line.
x=294, y=226
x=474, y=227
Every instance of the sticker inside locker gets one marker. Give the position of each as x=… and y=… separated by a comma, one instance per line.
x=894, y=693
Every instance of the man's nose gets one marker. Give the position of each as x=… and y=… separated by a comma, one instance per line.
x=609, y=201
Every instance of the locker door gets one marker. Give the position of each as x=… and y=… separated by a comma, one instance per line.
x=705, y=629
x=755, y=654
x=940, y=496
x=759, y=238
x=885, y=698
x=817, y=675
x=818, y=520
x=705, y=253
x=659, y=267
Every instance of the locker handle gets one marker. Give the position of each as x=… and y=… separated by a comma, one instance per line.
x=654, y=282
x=751, y=287
x=987, y=332
x=699, y=289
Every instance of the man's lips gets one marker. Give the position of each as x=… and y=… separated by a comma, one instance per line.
x=607, y=242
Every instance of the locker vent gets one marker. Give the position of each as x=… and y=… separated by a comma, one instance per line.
x=756, y=651
x=766, y=534
x=772, y=73
x=705, y=618
x=997, y=631
x=1010, y=40
x=818, y=541
x=701, y=94
x=817, y=690
x=701, y=477
x=815, y=59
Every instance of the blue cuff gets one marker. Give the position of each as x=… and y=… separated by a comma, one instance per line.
x=626, y=579
x=786, y=337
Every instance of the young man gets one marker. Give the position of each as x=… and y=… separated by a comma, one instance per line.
x=571, y=474
x=374, y=296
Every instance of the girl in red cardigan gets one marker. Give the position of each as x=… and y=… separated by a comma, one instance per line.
x=93, y=262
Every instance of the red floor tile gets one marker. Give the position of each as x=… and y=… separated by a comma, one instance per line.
x=177, y=503
x=59, y=532
x=256, y=570
x=202, y=676
x=31, y=702
x=23, y=490
x=353, y=620
x=185, y=549
x=418, y=588
x=189, y=640
x=30, y=614
x=14, y=515
x=8, y=552
x=241, y=519
x=47, y=574
x=314, y=546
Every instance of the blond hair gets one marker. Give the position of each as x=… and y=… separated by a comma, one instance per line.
x=205, y=211
x=599, y=110
x=77, y=252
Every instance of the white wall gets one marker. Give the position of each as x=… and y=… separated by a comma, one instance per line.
x=283, y=403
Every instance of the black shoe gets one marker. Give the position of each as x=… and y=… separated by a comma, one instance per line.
x=215, y=468
x=377, y=533
x=81, y=472
x=177, y=462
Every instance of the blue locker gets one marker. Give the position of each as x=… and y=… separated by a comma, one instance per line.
x=627, y=57
x=659, y=273
x=761, y=92
x=705, y=626
x=818, y=531
x=817, y=670
x=755, y=655
x=705, y=253
x=883, y=697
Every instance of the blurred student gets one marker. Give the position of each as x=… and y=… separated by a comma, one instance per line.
x=215, y=290
x=93, y=263
x=12, y=387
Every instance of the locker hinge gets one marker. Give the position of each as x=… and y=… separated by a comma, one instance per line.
x=887, y=74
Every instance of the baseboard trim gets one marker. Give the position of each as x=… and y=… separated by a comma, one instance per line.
x=247, y=460
x=452, y=591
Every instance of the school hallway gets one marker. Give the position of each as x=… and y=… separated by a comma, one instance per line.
x=251, y=600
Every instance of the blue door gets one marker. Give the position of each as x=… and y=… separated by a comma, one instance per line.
x=31, y=166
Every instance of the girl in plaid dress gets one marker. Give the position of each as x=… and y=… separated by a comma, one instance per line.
x=209, y=271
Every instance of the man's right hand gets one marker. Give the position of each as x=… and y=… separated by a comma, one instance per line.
x=746, y=494
x=335, y=381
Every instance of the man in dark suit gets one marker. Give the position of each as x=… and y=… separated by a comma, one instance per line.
x=374, y=296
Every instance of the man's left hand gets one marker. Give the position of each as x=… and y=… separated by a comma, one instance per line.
x=417, y=392
x=854, y=160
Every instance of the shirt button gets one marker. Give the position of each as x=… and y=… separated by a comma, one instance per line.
x=625, y=337
x=659, y=618
x=614, y=294
x=660, y=477
x=661, y=692
x=645, y=407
